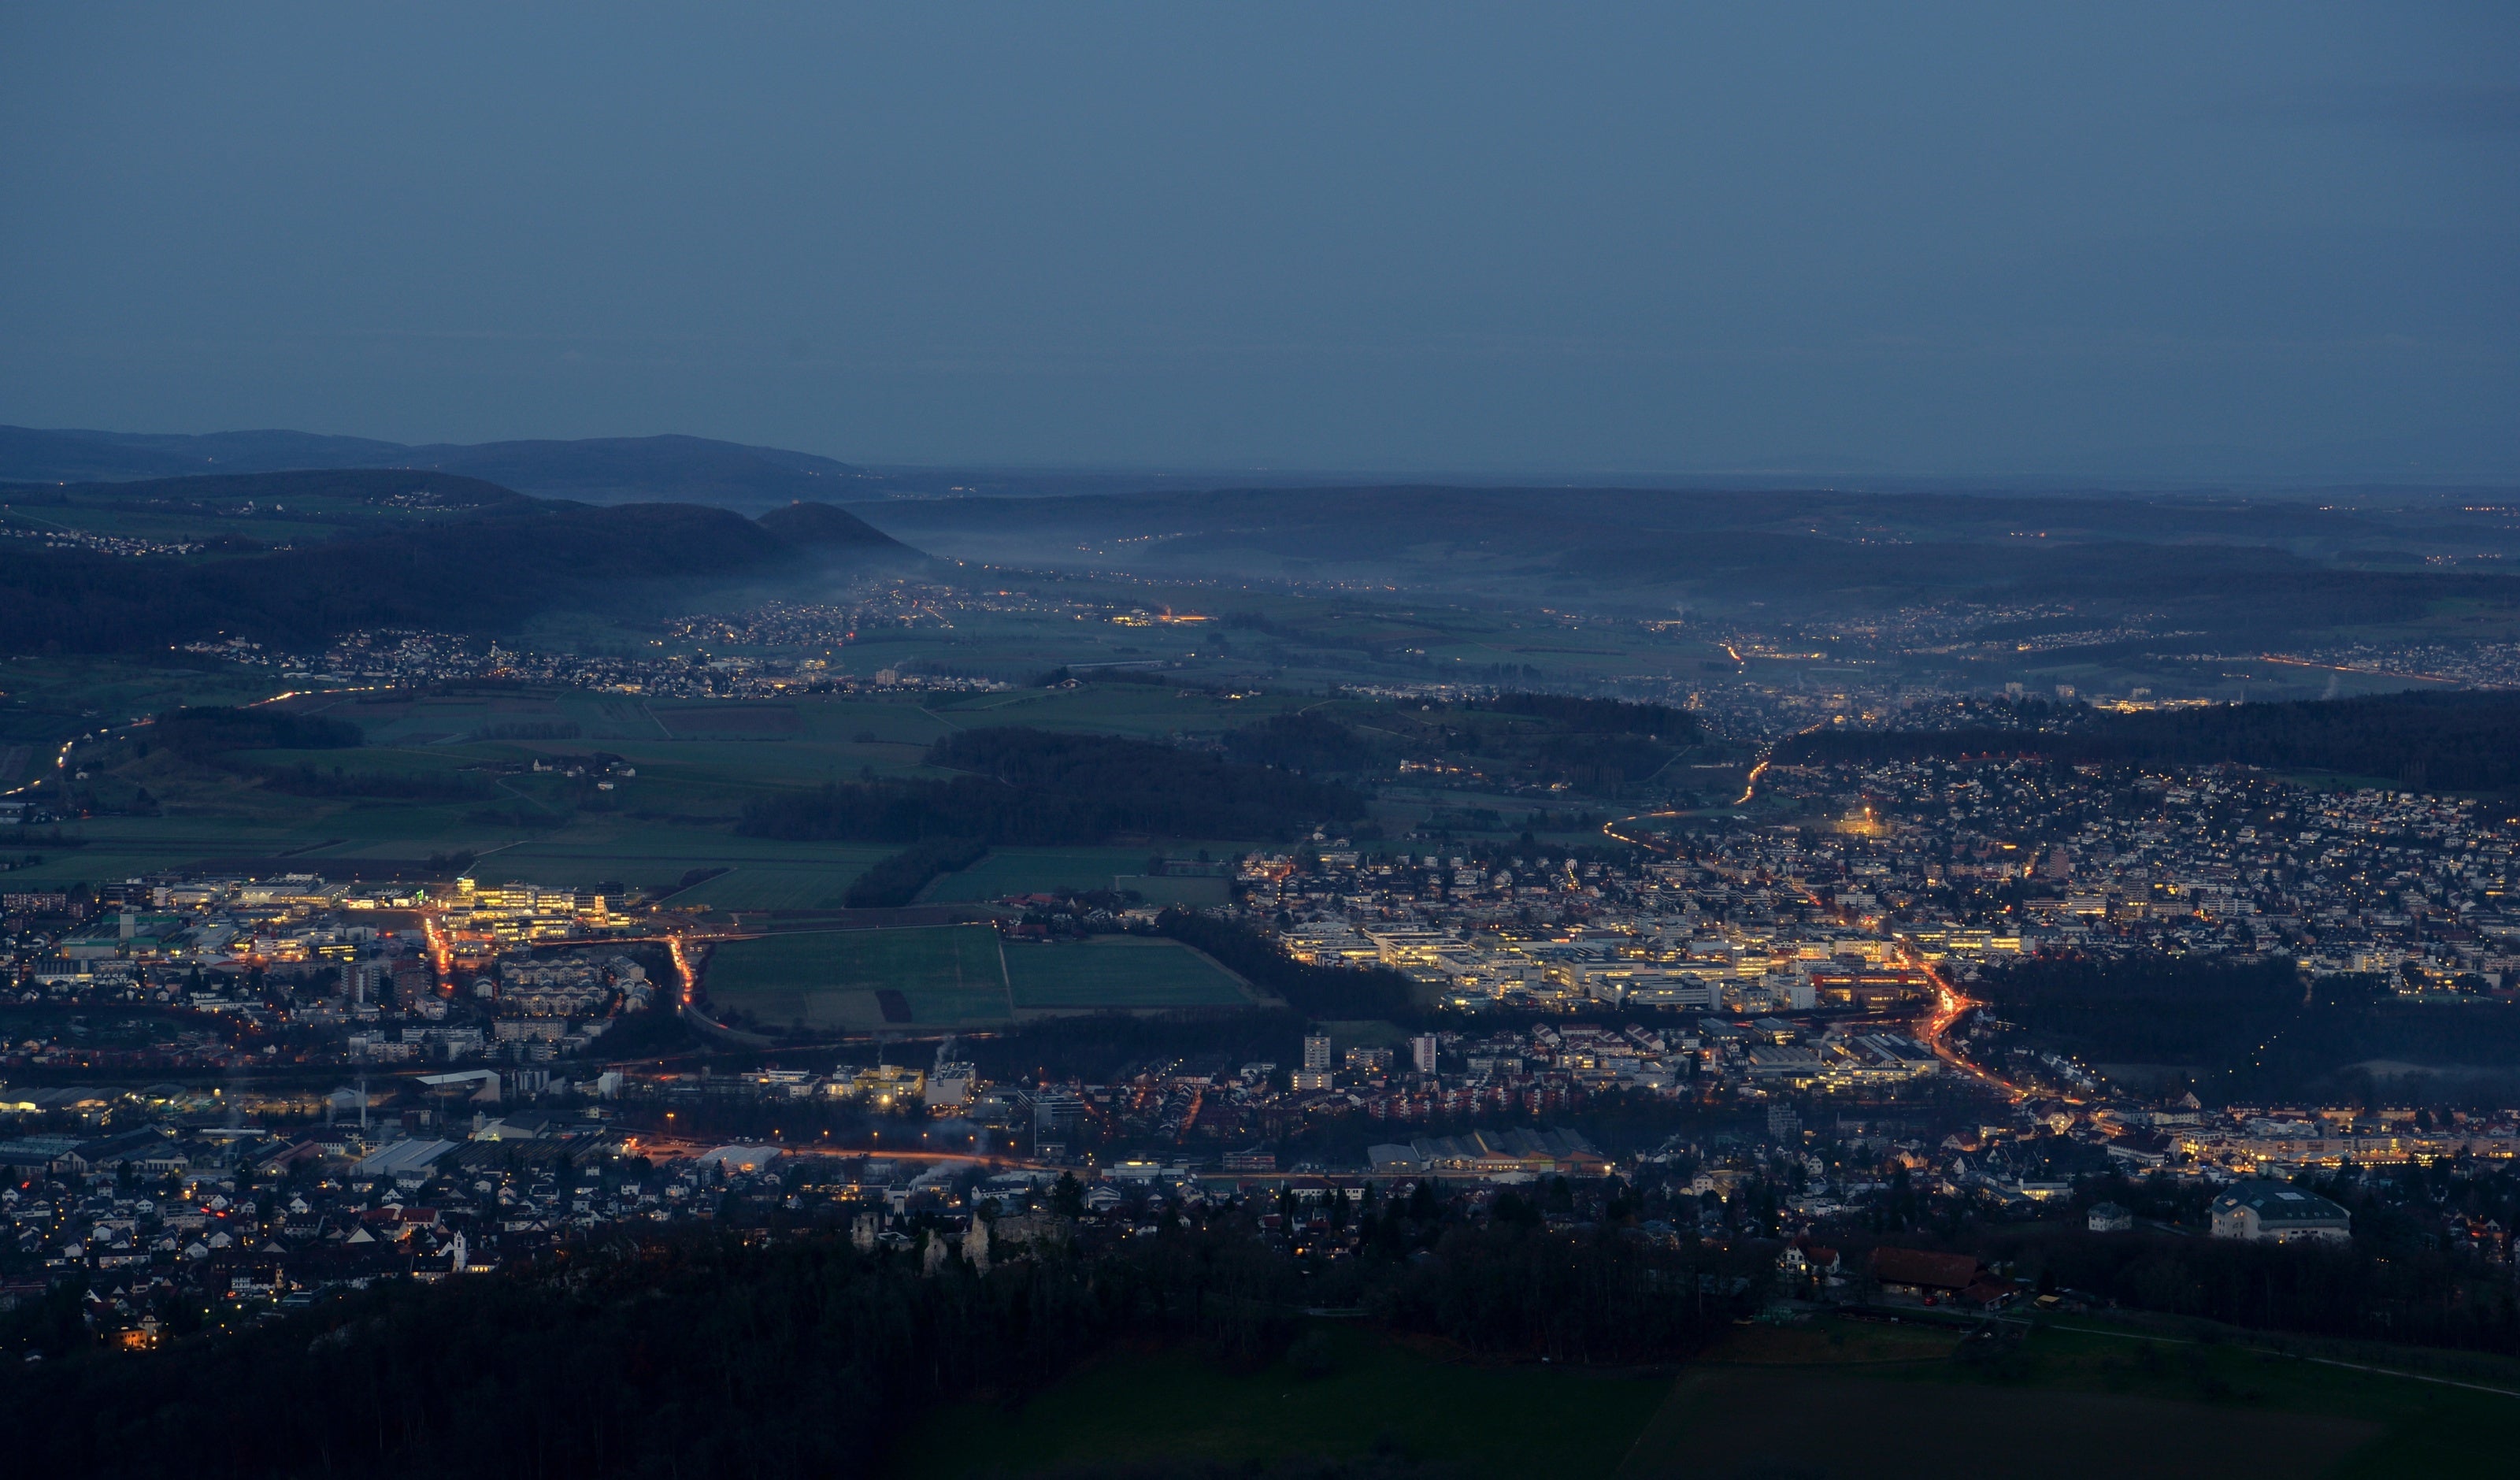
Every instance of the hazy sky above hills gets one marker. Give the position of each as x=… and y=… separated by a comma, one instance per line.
x=1552, y=239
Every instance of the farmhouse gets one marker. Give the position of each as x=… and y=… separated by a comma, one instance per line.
x=1922, y=1272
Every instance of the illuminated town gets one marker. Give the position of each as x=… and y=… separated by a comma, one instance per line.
x=439, y=1075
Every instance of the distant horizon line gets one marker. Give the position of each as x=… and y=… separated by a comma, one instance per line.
x=1853, y=476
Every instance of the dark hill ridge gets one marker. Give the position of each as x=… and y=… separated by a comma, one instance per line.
x=596, y=469
x=623, y=470
x=825, y=526
x=32, y=454
x=483, y=571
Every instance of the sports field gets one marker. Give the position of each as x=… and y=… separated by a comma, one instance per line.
x=1116, y=971
x=931, y=976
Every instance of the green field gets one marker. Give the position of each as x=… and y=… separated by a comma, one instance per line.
x=1027, y=870
x=1825, y=1399
x=779, y=885
x=698, y=766
x=947, y=975
x=1113, y=971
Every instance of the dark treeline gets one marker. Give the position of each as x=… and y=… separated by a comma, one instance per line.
x=1596, y=716
x=1510, y=1288
x=2253, y=1028
x=2363, y=1290
x=2458, y=741
x=2146, y=1009
x=1032, y=786
x=693, y=1357
x=896, y=881
x=1303, y=742
x=210, y=734
x=697, y=1357
x=1600, y=744
x=1326, y=992
x=1601, y=762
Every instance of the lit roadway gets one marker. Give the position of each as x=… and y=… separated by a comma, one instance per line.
x=669, y=1142
x=2303, y=662
x=1610, y=829
x=62, y=757
x=1934, y=1030
x=1750, y=783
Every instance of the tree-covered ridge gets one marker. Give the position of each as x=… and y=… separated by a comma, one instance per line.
x=1034, y=787
x=2455, y=742
x=605, y=468
x=484, y=570
x=815, y=526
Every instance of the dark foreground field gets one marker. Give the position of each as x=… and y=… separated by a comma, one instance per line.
x=1828, y=1399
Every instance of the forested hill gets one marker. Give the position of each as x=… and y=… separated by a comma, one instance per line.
x=826, y=526
x=483, y=571
x=2460, y=741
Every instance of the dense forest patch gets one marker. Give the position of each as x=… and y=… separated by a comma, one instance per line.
x=1034, y=787
x=2259, y=1027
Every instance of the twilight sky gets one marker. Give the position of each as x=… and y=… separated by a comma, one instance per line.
x=2116, y=239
